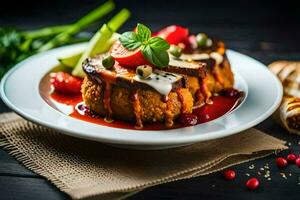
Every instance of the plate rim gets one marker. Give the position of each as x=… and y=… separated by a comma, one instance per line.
x=173, y=141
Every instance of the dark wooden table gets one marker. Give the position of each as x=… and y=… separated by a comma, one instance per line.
x=267, y=31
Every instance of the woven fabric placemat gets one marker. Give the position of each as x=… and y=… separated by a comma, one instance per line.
x=91, y=170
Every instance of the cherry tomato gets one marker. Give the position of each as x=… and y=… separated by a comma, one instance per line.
x=126, y=57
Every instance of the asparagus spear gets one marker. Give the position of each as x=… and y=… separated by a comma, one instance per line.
x=45, y=32
x=15, y=46
x=100, y=41
x=72, y=60
x=77, y=26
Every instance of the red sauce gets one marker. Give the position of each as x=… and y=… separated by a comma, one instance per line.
x=220, y=106
x=106, y=100
x=66, y=99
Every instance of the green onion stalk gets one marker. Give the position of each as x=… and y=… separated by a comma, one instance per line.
x=17, y=45
x=101, y=41
x=91, y=17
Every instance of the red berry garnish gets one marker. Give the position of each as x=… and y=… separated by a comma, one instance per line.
x=229, y=174
x=291, y=158
x=281, y=162
x=252, y=183
x=298, y=162
x=188, y=119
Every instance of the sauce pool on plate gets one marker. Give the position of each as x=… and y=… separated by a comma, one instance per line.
x=220, y=105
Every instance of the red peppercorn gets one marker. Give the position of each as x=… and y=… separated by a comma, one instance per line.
x=229, y=174
x=281, y=162
x=252, y=183
x=291, y=158
x=298, y=162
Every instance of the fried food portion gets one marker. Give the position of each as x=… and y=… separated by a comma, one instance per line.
x=288, y=114
x=220, y=77
x=217, y=78
x=149, y=107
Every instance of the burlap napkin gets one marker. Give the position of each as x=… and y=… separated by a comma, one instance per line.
x=85, y=169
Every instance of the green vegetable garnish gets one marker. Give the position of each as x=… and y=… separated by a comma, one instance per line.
x=154, y=49
x=16, y=45
x=71, y=60
x=45, y=32
x=201, y=39
x=98, y=13
x=100, y=42
x=144, y=71
x=175, y=51
x=10, y=40
x=108, y=62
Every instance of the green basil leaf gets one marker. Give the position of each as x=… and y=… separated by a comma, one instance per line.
x=130, y=40
x=157, y=57
x=144, y=32
x=158, y=43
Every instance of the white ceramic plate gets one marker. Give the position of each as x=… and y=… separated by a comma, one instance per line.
x=20, y=91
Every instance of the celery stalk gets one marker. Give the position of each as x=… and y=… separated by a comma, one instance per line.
x=96, y=14
x=94, y=45
x=100, y=41
x=77, y=26
x=45, y=32
x=119, y=19
x=71, y=60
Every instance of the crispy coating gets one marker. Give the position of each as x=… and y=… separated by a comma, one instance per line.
x=225, y=75
x=92, y=95
x=150, y=107
x=193, y=84
x=153, y=109
x=219, y=78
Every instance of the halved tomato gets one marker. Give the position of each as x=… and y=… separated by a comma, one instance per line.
x=127, y=58
x=173, y=34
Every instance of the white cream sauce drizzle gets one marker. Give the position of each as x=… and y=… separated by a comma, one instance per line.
x=217, y=57
x=183, y=64
x=195, y=56
x=159, y=80
x=203, y=56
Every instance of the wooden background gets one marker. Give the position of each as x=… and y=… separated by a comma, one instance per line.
x=265, y=30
